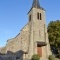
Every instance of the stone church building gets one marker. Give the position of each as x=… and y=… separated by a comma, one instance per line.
x=33, y=38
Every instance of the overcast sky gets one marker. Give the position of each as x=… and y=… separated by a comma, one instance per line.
x=13, y=16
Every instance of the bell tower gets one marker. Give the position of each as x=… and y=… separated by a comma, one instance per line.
x=36, y=11
x=38, y=43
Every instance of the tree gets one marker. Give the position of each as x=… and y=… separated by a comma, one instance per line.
x=54, y=34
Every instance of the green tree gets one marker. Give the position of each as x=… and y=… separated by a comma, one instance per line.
x=54, y=37
x=54, y=33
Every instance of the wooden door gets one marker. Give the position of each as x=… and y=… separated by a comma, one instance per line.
x=39, y=51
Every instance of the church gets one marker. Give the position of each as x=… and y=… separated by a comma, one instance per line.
x=33, y=38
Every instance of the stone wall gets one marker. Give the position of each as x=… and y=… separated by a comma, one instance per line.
x=26, y=40
x=20, y=42
x=3, y=50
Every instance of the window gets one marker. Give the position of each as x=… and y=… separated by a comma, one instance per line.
x=39, y=34
x=37, y=15
x=40, y=17
x=30, y=18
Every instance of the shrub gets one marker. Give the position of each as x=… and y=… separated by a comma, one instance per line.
x=51, y=57
x=35, y=57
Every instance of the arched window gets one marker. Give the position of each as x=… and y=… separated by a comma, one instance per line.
x=40, y=17
x=30, y=18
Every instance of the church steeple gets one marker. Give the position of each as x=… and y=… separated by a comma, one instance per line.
x=35, y=4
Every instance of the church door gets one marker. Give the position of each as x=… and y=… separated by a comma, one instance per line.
x=39, y=51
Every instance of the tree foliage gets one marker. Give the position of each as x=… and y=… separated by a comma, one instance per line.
x=54, y=33
x=54, y=37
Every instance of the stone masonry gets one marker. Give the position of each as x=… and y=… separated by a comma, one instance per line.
x=33, y=37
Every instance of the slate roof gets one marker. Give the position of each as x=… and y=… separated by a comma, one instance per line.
x=35, y=4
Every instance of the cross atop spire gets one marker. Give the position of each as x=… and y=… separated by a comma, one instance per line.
x=35, y=4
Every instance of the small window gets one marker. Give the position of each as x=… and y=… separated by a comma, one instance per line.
x=40, y=17
x=39, y=34
x=37, y=15
x=30, y=18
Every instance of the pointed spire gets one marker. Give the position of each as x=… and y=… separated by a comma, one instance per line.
x=35, y=4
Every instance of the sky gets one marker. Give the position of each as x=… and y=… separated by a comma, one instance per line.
x=13, y=16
